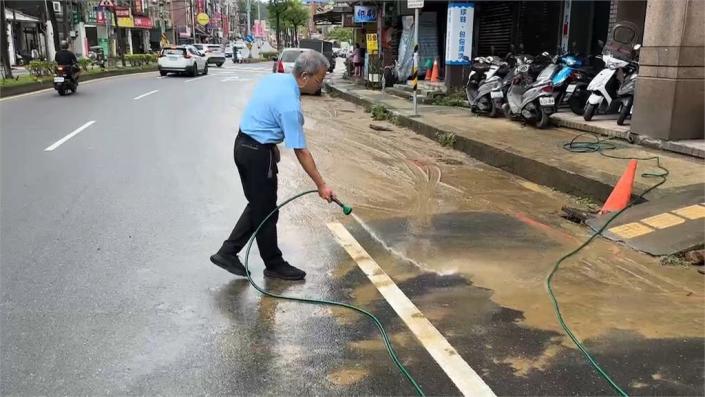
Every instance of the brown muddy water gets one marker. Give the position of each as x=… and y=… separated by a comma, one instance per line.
x=448, y=214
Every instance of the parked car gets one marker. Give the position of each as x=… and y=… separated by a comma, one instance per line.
x=182, y=59
x=322, y=46
x=285, y=62
x=213, y=52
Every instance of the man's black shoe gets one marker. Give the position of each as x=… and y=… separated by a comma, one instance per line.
x=285, y=272
x=229, y=263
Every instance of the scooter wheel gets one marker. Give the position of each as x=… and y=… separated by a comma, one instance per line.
x=624, y=111
x=544, y=120
x=62, y=91
x=589, y=111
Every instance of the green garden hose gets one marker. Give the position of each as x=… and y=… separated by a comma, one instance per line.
x=574, y=146
x=375, y=320
x=598, y=146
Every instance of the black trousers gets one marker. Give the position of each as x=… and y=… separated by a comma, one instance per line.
x=257, y=165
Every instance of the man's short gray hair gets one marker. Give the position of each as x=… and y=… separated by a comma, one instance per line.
x=310, y=62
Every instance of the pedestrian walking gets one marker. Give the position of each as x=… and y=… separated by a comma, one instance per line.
x=272, y=116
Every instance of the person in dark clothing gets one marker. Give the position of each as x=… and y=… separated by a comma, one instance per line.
x=64, y=57
x=273, y=116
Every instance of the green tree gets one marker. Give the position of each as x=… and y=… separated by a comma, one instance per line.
x=296, y=15
x=340, y=34
x=276, y=10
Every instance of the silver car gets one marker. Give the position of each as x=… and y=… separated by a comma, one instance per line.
x=285, y=62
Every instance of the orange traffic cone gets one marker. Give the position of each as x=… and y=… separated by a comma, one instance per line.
x=428, y=74
x=434, y=74
x=622, y=192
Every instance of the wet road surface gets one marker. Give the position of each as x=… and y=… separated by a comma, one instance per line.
x=107, y=289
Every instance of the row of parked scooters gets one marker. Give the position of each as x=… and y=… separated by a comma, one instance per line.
x=531, y=88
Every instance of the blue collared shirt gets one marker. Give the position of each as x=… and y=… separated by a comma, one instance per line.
x=274, y=112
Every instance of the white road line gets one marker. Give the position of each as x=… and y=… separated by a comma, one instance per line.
x=69, y=136
x=137, y=98
x=197, y=78
x=233, y=78
x=463, y=376
x=9, y=98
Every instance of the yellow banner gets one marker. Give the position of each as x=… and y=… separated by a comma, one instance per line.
x=372, y=46
x=126, y=22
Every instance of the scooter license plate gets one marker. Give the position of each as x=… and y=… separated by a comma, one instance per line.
x=547, y=101
x=496, y=94
x=570, y=89
x=58, y=79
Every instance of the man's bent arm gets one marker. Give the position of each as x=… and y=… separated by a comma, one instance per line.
x=306, y=160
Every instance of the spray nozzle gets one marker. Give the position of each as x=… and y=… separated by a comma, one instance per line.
x=346, y=210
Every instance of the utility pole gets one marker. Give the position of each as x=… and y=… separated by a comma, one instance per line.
x=416, y=60
x=249, y=23
x=193, y=21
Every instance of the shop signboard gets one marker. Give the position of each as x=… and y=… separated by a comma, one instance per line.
x=365, y=14
x=122, y=12
x=372, y=45
x=459, y=33
x=100, y=17
x=125, y=22
x=142, y=22
x=138, y=7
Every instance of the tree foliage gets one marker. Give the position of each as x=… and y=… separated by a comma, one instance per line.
x=340, y=34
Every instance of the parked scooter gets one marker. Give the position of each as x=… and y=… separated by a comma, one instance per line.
x=531, y=100
x=481, y=69
x=625, y=93
x=483, y=102
x=499, y=92
x=571, y=81
x=620, y=57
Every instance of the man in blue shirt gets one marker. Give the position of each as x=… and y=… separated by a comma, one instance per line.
x=272, y=116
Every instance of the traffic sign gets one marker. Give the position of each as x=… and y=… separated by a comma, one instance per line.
x=414, y=3
x=202, y=19
x=106, y=3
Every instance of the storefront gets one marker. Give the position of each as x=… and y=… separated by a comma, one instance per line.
x=26, y=39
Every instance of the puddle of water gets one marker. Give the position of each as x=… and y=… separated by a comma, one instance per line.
x=445, y=213
x=347, y=377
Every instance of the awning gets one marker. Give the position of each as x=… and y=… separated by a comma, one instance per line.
x=16, y=16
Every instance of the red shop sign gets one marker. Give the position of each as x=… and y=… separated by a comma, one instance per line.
x=143, y=22
x=122, y=12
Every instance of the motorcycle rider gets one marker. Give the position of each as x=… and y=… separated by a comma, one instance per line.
x=64, y=57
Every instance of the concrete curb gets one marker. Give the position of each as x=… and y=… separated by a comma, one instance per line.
x=629, y=136
x=31, y=87
x=527, y=168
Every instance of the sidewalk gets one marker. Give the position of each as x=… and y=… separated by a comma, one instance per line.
x=533, y=154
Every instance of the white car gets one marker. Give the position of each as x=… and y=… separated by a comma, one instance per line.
x=182, y=59
x=286, y=60
x=213, y=52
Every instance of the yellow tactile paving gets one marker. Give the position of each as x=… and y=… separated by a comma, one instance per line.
x=692, y=212
x=630, y=230
x=663, y=221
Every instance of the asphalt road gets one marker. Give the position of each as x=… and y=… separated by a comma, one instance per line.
x=106, y=287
